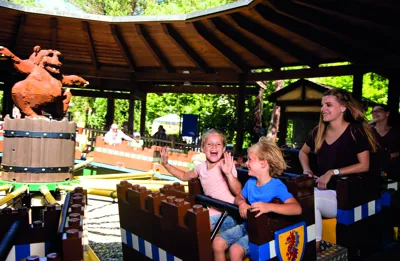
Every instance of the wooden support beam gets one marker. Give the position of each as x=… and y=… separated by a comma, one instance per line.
x=356, y=34
x=122, y=46
x=131, y=111
x=100, y=94
x=7, y=102
x=387, y=32
x=322, y=37
x=54, y=30
x=375, y=12
x=180, y=77
x=198, y=90
x=225, y=50
x=143, y=115
x=241, y=39
x=394, y=93
x=153, y=48
x=17, y=38
x=357, y=86
x=186, y=49
x=310, y=73
x=262, y=32
x=282, y=133
x=90, y=44
x=240, y=98
x=110, y=112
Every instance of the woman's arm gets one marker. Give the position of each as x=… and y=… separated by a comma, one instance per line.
x=361, y=166
x=290, y=207
x=304, y=160
x=126, y=137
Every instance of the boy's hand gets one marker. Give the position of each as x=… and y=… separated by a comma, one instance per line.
x=227, y=164
x=164, y=155
x=243, y=210
x=261, y=207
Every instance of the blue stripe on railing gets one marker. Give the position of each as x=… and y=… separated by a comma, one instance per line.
x=263, y=252
x=386, y=198
x=358, y=213
x=20, y=252
x=146, y=248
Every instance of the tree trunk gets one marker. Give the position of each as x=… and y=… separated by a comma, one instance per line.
x=275, y=116
x=259, y=105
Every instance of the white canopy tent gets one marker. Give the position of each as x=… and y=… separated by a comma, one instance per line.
x=170, y=122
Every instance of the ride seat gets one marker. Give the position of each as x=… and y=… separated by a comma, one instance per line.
x=329, y=230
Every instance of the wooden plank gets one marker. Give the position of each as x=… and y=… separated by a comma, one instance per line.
x=54, y=27
x=359, y=34
x=226, y=51
x=186, y=48
x=252, y=47
x=90, y=44
x=122, y=46
x=38, y=157
x=272, y=37
x=153, y=48
x=198, y=90
x=324, y=38
x=17, y=39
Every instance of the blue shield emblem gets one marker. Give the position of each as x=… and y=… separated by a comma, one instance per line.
x=290, y=242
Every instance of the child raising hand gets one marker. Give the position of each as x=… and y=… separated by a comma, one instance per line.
x=218, y=175
x=265, y=162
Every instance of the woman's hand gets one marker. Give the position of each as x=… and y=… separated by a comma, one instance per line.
x=261, y=208
x=243, y=210
x=164, y=156
x=324, y=179
x=310, y=174
x=227, y=164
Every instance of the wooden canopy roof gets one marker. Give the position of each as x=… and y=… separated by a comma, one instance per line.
x=211, y=51
x=305, y=93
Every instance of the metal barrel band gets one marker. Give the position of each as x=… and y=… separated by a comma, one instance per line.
x=38, y=170
x=39, y=134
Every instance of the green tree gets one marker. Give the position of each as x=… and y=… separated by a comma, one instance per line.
x=156, y=7
x=35, y=3
x=110, y=7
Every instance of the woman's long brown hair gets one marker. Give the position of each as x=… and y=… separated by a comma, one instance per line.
x=354, y=113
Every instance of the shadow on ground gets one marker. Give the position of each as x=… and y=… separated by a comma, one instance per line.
x=107, y=251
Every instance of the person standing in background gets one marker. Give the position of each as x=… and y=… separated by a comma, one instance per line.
x=115, y=136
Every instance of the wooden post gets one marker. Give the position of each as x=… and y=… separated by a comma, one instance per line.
x=393, y=93
x=282, y=133
x=357, y=86
x=7, y=100
x=131, y=112
x=143, y=115
x=240, y=112
x=110, y=112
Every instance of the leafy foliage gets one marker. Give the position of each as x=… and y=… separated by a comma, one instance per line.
x=110, y=7
x=155, y=7
x=25, y=2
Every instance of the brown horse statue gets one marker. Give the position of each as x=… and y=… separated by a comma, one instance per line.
x=41, y=91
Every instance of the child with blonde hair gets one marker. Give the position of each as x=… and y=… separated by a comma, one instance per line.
x=265, y=163
x=217, y=174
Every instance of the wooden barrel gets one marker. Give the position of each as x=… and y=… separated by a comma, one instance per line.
x=38, y=150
